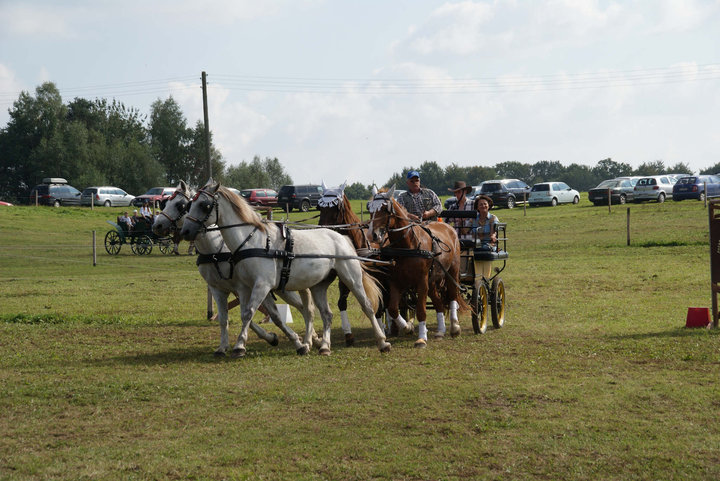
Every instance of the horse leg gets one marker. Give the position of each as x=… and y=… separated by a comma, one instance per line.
x=301, y=301
x=394, y=310
x=355, y=280
x=439, y=309
x=453, y=293
x=222, y=317
x=344, y=320
x=300, y=347
x=319, y=294
x=422, y=291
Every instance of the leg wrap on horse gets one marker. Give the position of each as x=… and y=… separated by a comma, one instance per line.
x=422, y=331
x=453, y=310
x=441, y=323
x=345, y=322
x=400, y=322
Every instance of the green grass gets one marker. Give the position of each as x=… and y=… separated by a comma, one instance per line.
x=107, y=371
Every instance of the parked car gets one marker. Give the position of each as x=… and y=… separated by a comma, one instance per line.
x=266, y=197
x=54, y=191
x=654, y=187
x=470, y=196
x=155, y=194
x=553, y=193
x=693, y=187
x=621, y=191
x=105, y=195
x=507, y=192
x=397, y=193
x=301, y=197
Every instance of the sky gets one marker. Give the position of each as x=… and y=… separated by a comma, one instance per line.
x=357, y=90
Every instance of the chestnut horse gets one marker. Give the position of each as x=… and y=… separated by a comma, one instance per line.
x=427, y=260
x=335, y=210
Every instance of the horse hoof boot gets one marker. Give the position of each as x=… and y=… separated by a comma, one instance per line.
x=439, y=336
x=219, y=353
x=274, y=341
x=421, y=343
x=349, y=340
x=324, y=351
x=455, y=331
x=303, y=351
x=237, y=353
x=387, y=347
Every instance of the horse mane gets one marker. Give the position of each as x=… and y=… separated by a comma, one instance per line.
x=242, y=208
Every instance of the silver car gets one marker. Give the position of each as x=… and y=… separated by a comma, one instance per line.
x=553, y=193
x=105, y=195
x=654, y=187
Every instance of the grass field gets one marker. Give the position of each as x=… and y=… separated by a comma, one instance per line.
x=107, y=371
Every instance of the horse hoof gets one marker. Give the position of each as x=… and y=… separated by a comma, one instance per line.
x=303, y=351
x=386, y=348
x=349, y=340
x=274, y=341
x=324, y=351
x=439, y=336
x=410, y=328
x=219, y=353
x=237, y=353
x=455, y=333
x=421, y=344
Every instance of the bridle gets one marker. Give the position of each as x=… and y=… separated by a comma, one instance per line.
x=182, y=209
x=205, y=205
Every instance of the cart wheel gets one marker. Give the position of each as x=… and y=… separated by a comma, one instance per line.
x=479, y=305
x=497, y=303
x=142, y=245
x=165, y=246
x=112, y=242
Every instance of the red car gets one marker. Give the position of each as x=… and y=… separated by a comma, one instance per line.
x=266, y=197
x=156, y=194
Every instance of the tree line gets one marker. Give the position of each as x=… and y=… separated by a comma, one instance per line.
x=97, y=142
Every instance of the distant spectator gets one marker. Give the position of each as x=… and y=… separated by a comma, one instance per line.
x=146, y=212
x=127, y=220
x=460, y=202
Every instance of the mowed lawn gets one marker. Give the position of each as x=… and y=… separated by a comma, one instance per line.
x=107, y=371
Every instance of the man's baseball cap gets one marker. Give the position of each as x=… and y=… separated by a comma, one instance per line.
x=413, y=173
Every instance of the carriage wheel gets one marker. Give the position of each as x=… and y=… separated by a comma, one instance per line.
x=142, y=245
x=112, y=242
x=165, y=246
x=497, y=303
x=479, y=305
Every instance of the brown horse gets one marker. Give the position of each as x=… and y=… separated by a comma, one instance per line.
x=335, y=210
x=427, y=260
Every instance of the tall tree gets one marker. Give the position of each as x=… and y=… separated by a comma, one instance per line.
x=258, y=173
x=609, y=169
x=514, y=170
x=655, y=167
x=170, y=140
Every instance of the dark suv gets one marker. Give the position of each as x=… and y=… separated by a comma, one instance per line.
x=54, y=191
x=300, y=197
x=506, y=192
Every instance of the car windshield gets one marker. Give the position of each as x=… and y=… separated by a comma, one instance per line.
x=246, y=193
x=608, y=184
x=686, y=180
x=540, y=187
x=490, y=188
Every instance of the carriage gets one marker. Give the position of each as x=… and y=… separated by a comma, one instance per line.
x=483, y=291
x=141, y=238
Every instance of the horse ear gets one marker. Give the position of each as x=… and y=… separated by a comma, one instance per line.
x=182, y=186
x=323, y=185
x=391, y=192
x=374, y=190
x=214, y=188
x=342, y=187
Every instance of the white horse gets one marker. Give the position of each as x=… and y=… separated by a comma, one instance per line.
x=274, y=258
x=217, y=273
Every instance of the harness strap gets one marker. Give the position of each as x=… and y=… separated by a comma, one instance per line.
x=287, y=260
x=386, y=252
x=216, y=259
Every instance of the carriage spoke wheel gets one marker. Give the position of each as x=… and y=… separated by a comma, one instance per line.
x=497, y=303
x=112, y=242
x=479, y=305
x=142, y=245
x=165, y=246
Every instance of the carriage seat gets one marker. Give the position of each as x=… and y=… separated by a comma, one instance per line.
x=489, y=254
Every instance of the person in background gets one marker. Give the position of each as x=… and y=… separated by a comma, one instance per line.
x=135, y=217
x=127, y=220
x=146, y=212
x=421, y=203
x=461, y=202
x=483, y=228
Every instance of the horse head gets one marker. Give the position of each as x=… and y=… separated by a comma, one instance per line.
x=202, y=206
x=383, y=217
x=332, y=205
x=173, y=211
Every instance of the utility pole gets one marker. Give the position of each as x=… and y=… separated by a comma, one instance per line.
x=207, y=126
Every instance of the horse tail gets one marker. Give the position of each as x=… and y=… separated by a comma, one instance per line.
x=372, y=288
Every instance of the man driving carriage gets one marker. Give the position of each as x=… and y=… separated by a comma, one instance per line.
x=420, y=202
